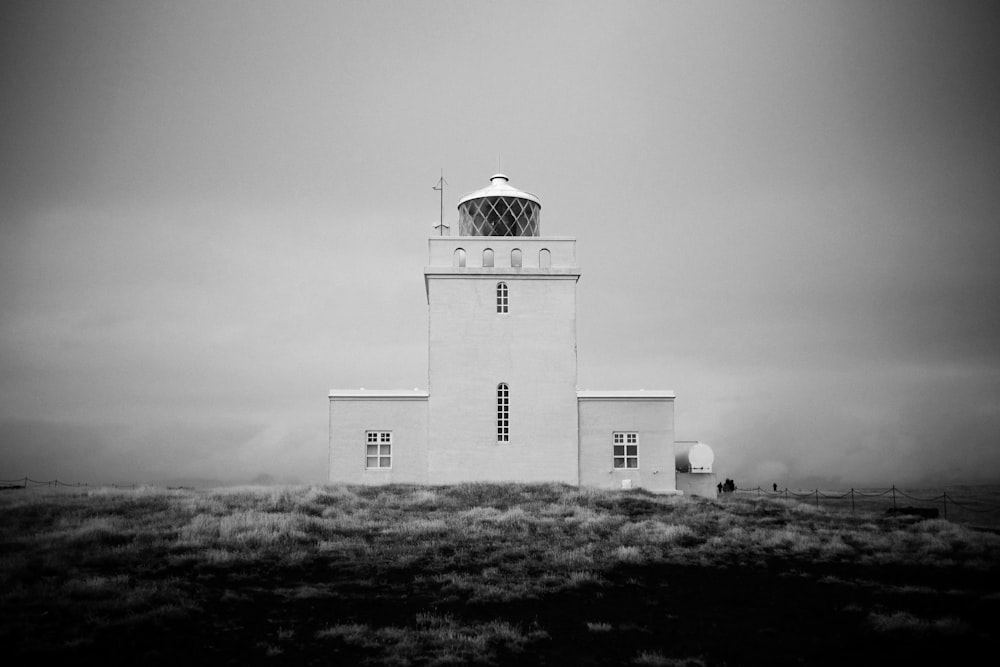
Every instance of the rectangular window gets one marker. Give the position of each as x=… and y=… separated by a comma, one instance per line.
x=378, y=449
x=626, y=450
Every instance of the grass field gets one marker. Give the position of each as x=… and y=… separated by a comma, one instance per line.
x=489, y=574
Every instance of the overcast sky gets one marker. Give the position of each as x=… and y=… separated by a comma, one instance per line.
x=211, y=213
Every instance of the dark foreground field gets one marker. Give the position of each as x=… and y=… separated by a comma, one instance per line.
x=484, y=574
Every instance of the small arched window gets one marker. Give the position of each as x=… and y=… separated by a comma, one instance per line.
x=503, y=413
x=488, y=257
x=501, y=297
x=515, y=258
x=459, y=257
x=544, y=259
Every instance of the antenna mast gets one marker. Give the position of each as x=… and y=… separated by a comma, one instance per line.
x=440, y=188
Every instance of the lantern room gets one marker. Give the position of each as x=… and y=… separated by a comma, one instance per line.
x=499, y=210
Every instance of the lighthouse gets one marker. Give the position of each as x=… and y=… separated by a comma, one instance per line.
x=502, y=402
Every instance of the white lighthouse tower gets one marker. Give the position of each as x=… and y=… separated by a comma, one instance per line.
x=502, y=344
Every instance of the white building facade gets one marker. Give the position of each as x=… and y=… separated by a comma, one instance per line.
x=502, y=403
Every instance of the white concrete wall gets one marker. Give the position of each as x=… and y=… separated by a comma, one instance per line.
x=472, y=348
x=652, y=418
x=351, y=416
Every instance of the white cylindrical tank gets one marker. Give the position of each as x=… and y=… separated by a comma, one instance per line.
x=693, y=457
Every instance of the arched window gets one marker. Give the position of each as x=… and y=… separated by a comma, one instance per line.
x=459, y=257
x=503, y=413
x=544, y=259
x=515, y=258
x=488, y=257
x=501, y=297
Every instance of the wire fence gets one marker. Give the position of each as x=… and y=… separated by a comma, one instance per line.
x=27, y=482
x=970, y=506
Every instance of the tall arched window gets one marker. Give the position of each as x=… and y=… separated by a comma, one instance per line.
x=515, y=258
x=459, y=257
x=501, y=297
x=488, y=257
x=503, y=413
x=544, y=259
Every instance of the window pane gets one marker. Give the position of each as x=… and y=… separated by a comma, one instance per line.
x=384, y=450
x=372, y=450
x=372, y=437
x=385, y=437
x=619, y=437
x=384, y=462
x=619, y=463
x=633, y=463
x=631, y=437
x=633, y=450
x=619, y=450
x=371, y=462
x=515, y=258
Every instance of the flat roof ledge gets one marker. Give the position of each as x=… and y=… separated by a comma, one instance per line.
x=378, y=394
x=626, y=395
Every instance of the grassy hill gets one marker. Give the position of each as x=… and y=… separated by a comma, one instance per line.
x=495, y=574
